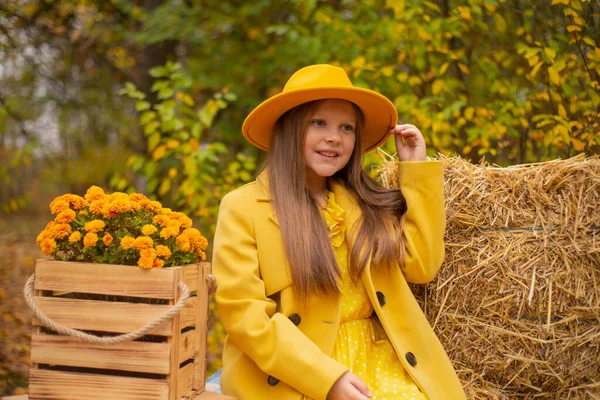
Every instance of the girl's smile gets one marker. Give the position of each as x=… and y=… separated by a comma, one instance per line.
x=329, y=141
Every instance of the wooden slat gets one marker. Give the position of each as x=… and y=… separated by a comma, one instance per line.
x=190, y=276
x=201, y=327
x=206, y=395
x=184, y=382
x=187, y=346
x=117, y=280
x=58, y=385
x=175, y=340
x=128, y=356
x=117, y=317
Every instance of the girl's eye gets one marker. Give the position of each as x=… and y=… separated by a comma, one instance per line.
x=348, y=128
x=318, y=122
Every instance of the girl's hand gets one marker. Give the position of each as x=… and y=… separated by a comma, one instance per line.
x=410, y=143
x=349, y=387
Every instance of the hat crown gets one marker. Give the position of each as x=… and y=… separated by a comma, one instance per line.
x=317, y=76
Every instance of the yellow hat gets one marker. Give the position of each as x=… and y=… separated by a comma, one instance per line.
x=317, y=82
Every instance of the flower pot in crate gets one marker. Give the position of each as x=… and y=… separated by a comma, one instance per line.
x=100, y=309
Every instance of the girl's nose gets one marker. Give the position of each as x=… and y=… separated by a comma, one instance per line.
x=333, y=137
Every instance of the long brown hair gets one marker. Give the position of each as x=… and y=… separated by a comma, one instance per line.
x=306, y=241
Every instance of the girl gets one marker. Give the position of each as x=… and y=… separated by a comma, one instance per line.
x=313, y=258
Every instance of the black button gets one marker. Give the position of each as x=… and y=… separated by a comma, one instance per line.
x=295, y=318
x=381, y=298
x=272, y=380
x=412, y=360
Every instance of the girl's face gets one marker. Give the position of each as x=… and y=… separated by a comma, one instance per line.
x=330, y=138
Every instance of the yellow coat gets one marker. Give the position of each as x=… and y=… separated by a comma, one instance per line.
x=278, y=348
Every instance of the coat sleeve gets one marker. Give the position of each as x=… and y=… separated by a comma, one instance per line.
x=249, y=317
x=422, y=184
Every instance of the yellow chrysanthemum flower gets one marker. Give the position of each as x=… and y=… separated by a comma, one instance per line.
x=143, y=242
x=146, y=262
x=48, y=246
x=116, y=207
x=96, y=207
x=150, y=253
x=137, y=197
x=168, y=233
x=163, y=251
x=183, y=242
x=202, y=256
x=94, y=226
x=45, y=234
x=166, y=211
x=94, y=193
x=161, y=220
x=65, y=217
x=83, y=213
x=154, y=206
x=175, y=224
x=186, y=222
x=60, y=231
x=90, y=239
x=76, y=202
x=75, y=237
x=58, y=205
x=127, y=242
x=148, y=229
x=107, y=239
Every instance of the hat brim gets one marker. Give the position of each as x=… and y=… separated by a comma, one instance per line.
x=379, y=113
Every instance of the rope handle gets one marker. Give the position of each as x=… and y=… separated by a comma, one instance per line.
x=55, y=326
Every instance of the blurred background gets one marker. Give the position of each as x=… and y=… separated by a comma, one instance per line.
x=150, y=95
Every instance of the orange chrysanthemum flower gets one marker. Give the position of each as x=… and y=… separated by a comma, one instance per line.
x=95, y=226
x=127, y=242
x=186, y=222
x=183, y=242
x=83, y=213
x=48, y=246
x=149, y=229
x=163, y=251
x=146, y=262
x=143, y=242
x=75, y=237
x=66, y=216
x=150, y=253
x=175, y=224
x=168, y=233
x=116, y=207
x=137, y=197
x=161, y=220
x=94, y=193
x=96, y=207
x=202, y=256
x=60, y=231
x=158, y=263
x=166, y=211
x=45, y=234
x=107, y=239
x=58, y=205
x=76, y=202
x=90, y=239
x=154, y=206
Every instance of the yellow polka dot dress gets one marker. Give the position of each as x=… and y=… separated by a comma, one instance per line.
x=361, y=344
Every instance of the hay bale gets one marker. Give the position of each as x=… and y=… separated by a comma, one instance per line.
x=517, y=303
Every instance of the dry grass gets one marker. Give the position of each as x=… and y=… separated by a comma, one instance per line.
x=517, y=304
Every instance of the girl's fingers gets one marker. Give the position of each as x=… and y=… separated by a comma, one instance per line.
x=360, y=386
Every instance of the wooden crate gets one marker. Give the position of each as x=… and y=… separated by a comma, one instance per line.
x=167, y=364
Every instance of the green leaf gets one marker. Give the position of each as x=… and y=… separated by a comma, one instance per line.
x=142, y=105
x=147, y=116
x=158, y=72
x=153, y=141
